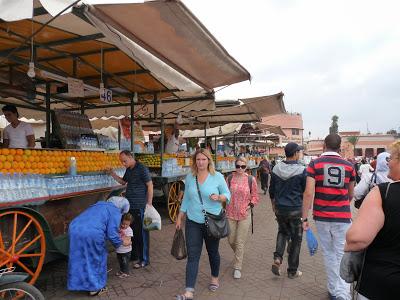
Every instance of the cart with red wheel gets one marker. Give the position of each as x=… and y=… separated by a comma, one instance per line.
x=35, y=231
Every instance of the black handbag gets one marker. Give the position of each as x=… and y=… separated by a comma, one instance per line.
x=217, y=225
x=178, y=249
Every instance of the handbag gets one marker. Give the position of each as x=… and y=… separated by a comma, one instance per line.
x=178, y=249
x=217, y=226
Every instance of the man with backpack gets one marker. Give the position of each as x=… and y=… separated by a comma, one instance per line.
x=288, y=182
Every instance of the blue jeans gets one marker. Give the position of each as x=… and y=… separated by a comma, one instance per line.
x=332, y=237
x=195, y=233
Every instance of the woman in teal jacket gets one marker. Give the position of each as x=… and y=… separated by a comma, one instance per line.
x=214, y=192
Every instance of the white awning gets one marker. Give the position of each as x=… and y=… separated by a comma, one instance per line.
x=215, y=131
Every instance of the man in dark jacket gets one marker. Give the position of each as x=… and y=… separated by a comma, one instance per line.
x=288, y=181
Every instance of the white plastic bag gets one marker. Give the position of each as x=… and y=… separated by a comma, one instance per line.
x=152, y=219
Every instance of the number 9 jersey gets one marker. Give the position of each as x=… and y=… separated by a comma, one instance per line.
x=332, y=176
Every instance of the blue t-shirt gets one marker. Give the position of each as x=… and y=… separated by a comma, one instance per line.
x=191, y=205
x=136, y=189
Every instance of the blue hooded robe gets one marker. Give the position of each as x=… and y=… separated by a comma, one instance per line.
x=87, y=265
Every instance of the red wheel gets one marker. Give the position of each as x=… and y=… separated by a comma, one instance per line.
x=175, y=196
x=22, y=243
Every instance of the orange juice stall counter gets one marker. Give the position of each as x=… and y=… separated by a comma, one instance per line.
x=54, y=161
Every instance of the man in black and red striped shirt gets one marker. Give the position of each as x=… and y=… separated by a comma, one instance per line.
x=330, y=183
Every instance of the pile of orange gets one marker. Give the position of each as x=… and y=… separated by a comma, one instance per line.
x=54, y=161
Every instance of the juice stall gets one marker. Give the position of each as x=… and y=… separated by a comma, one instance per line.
x=66, y=68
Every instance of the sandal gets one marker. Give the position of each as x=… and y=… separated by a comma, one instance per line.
x=140, y=265
x=183, y=297
x=213, y=287
x=99, y=292
x=119, y=273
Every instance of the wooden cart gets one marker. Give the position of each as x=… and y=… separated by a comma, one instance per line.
x=173, y=188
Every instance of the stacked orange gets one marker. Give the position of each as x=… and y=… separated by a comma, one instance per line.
x=54, y=161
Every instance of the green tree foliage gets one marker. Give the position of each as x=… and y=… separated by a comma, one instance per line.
x=392, y=131
x=353, y=140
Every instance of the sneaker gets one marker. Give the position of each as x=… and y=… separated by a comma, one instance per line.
x=295, y=275
x=276, y=267
x=237, y=274
x=123, y=275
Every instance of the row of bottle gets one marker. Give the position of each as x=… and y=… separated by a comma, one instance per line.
x=107, y=143
x=72, y=184
x=87, y=142
x=225, y=165
x=15, y=187
x=170, y=168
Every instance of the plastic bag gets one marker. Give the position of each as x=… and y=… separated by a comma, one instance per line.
x=178, y=249
x=312, y=242
x=152, y=219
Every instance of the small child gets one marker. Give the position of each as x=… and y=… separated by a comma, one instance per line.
x=124, y=251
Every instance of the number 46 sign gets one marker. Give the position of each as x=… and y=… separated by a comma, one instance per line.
x=105, y=95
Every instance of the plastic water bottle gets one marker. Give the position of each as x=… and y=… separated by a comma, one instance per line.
x=72, y=166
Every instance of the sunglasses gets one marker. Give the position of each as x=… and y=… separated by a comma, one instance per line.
x=241, y=166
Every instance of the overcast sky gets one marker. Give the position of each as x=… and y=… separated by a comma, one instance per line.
x=328, y=57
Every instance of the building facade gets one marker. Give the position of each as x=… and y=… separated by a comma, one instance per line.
x=292, y=126
x=367, y=145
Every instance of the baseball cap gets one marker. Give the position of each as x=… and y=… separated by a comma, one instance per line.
x=291, y=148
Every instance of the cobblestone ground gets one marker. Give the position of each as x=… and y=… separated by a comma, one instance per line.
x=165, y=276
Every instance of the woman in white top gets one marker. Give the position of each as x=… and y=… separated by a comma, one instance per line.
x=369, y=180
x=365, y=168
x=17, y=134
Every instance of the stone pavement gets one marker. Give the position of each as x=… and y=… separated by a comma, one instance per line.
x=165, y=277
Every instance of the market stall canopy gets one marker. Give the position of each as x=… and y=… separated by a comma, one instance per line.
x=197, y=115
x=215, y=131
x=246, y=111
x=271, y=128
x=157, y=50
x=169, y=31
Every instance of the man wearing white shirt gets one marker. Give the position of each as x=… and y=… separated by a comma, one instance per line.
x=172, y=135
x=17, y=134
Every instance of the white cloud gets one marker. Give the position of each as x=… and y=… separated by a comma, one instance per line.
x=328, y=57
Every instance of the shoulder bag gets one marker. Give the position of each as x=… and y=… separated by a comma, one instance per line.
x=217, y=225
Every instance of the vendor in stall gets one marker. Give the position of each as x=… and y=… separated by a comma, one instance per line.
x=17, y=134
x=172, y=138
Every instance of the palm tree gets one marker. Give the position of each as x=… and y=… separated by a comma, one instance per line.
x=353, y=140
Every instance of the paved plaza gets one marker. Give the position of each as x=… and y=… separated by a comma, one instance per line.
x=165, y=276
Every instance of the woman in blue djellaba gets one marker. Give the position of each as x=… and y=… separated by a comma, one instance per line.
x=88, y=232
